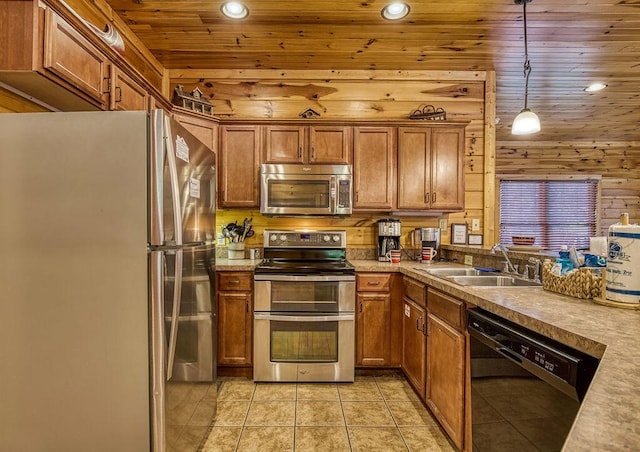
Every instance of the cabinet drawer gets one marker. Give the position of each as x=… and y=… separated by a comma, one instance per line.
x=373, y=282
x=240, y=281
x=415, y=290
x=447, y=308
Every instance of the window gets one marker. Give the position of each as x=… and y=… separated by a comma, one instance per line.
x=555, y=212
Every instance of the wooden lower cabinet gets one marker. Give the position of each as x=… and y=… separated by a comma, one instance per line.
x=445, y=379
x=235, y=318
x=378, y=319
x=373, y=329
x=414, y=345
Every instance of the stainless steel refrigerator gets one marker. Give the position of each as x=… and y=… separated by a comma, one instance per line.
x=107, y=266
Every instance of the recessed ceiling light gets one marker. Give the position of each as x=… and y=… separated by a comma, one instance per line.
x=595, y=87
x=234, y=10
x=395, y=11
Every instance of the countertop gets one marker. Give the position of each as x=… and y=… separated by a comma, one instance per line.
x=609, y=418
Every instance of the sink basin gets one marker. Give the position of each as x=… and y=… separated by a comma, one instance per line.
x=491, y=281
x=444, y=272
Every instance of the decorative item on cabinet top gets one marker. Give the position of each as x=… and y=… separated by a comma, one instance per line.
x=429, y=112
x=309, y=113
x=191, y=101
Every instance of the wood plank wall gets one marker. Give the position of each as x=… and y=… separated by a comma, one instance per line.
x=381, y=95
x=617, y=162
x=12, y=103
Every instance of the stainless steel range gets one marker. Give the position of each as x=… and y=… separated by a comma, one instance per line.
x=304, y=319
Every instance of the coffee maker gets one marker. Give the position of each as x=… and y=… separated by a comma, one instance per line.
x=389, y=231
x=429, y=238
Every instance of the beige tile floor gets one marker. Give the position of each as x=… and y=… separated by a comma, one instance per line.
x=375, y=413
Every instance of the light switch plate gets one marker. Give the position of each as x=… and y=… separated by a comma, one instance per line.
x=475, y=224
x=468, y=259
x=442, y=224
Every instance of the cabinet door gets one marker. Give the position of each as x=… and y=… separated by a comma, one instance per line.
x=414, y=345
x=284, y=144
x=234, y=327
x=204, y=129
x=373, y=329
x=74, y=59
x=126, y=93
x=414, y=166
x=329, y=144
x=447, y=168
x=445, y=376
x=239, y=166
x=374, y=162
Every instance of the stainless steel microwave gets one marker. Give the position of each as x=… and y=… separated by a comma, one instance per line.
x=306, y=189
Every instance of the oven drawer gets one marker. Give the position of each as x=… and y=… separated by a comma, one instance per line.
x=241, y=281
x=373, y=282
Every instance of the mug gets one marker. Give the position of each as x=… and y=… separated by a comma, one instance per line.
x=393, y=256
x=428, y=254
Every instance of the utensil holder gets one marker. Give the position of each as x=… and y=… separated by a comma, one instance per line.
x=236, y=250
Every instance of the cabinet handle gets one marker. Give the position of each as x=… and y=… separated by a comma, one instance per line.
x=425, y=331
x=313, y=153
x=418, y=323
x=119, y=91
x=246, y=304
x=373, y=283
x=433, y=197
x=357, y=196
x=426, y=198
x=300, y=153
x=360, y=307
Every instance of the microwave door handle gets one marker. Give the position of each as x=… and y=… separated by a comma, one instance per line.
x=173, y=177
x=175, y=313
x=333, y=194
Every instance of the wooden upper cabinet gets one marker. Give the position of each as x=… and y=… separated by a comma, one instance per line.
x=74, y=59
x=374, y=162
x=307, y=144
x=330, y=144
x=284, y=144
x=126, y=93
x=431, y=168
x=239, y=161
x=203, y=128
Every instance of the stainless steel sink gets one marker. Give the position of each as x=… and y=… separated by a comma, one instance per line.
x=444, y=272
x=491, y=281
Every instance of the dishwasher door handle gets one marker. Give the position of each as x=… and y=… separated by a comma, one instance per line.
x=507, y=353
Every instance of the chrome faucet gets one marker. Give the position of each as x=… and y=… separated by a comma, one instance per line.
x=501, y=247
x=537, y=269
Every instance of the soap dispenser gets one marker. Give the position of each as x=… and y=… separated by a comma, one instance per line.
x=564, y=260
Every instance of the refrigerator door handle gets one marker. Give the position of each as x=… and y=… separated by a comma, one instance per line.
x=175, y=189
x=177, y=295
x=157, y=350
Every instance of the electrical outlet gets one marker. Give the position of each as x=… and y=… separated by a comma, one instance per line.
x=442, y=224
x=468, y=259
x=475, y=224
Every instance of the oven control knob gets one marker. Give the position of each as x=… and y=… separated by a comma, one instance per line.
x=336, y=238
x=326, y=238
x=274, y=237
x=283, y=237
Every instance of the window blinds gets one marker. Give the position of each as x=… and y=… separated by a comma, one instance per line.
x=554, y=212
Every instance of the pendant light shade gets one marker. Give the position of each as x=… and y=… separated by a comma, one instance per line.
x=527, y=122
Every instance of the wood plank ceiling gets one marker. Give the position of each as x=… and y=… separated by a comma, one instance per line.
x=571, y=44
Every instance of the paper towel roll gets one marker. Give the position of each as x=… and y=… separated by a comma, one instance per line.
x=598, y=246
x=623, y=263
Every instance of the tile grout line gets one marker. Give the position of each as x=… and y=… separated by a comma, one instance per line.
x=344, y=417
x=391, y=414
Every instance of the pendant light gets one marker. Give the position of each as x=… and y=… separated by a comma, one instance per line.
x=527, y=122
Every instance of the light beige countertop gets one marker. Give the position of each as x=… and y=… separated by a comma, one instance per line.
x=609, y=418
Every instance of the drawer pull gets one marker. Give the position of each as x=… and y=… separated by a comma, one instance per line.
x=373, y=283
x=234, y=281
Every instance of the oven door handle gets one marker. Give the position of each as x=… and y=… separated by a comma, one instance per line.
x=303, y=318
x=312, y=278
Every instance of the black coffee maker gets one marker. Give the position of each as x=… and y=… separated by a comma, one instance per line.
x=389, y=231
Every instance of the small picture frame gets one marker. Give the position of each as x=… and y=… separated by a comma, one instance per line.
x=459, y=234
x=474, y=239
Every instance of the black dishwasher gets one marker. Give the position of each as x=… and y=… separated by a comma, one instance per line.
x=526, y=388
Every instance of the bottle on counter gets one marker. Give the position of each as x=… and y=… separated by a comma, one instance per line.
x=566, y=265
